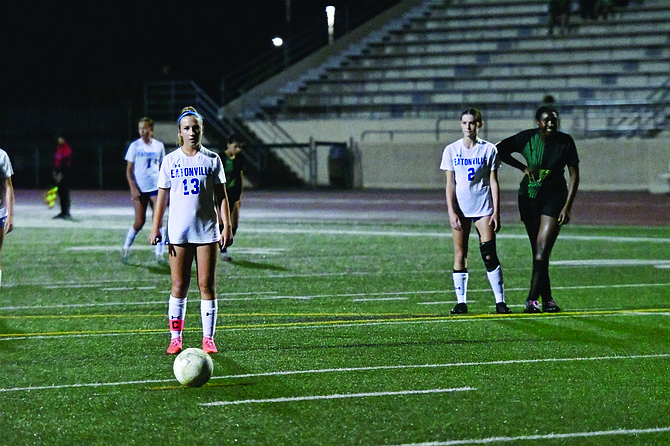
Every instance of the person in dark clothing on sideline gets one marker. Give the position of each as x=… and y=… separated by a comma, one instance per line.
x=61, y=175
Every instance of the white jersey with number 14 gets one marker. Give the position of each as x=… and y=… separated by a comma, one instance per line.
x=146, y=159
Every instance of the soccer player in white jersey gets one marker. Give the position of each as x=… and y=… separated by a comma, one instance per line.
x=193, y=179
x=473, y=196
x=6, y=199
x=144, y=157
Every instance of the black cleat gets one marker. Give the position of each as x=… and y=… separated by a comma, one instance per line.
x=550, y=306
x=460, y=309
x=532, y=306
x=502, y=308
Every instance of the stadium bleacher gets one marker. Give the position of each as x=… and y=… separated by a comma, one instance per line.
x=407, y=76
x=497, y=54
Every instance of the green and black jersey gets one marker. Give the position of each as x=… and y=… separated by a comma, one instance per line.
x=233, y=168
x=547, y=157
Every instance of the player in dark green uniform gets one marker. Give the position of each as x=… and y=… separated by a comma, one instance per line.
x=545, y=199
x=233, y=165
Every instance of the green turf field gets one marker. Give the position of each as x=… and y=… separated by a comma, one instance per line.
x=336, y=334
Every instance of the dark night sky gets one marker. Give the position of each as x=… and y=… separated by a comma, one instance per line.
x=98, y=53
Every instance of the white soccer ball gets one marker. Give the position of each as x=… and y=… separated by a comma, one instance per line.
x=193, y=367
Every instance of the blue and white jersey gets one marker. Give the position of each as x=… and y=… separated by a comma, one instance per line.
x=193, y=216
x=147, y=160
x=6, y=171
x=472, y=172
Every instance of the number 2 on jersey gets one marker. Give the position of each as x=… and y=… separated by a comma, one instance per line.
x=471, y=174
x=195, y=187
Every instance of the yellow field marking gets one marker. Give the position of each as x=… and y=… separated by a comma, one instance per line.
x=352, y=322
x=393, y=315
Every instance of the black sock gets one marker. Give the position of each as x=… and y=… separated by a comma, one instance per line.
x=539, y=279
x=545, y=292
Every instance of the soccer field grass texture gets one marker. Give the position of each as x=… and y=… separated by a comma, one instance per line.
x=337, y=334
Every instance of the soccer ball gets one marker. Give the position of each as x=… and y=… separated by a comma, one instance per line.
x=193, y=367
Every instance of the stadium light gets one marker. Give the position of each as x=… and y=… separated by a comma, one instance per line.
x=277, y=41
x=330, y=14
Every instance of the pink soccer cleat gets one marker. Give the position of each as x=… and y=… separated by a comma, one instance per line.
x=175, y=346
x=208, y=345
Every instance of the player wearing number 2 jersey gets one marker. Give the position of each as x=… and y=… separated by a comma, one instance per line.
x=193, y=179
x=471, y=166
x=144, y=157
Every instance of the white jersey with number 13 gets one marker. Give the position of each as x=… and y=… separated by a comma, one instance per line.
x=193, y=215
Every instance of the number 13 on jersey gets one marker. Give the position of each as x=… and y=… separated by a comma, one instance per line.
x=193, y=188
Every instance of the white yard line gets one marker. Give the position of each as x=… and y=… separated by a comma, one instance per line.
x=378, y=299
x=439, y=366
x=612, y=262
x=147, y=247
x=336, y=396
x=445, y=234
x=491, y=440
x=345, y=370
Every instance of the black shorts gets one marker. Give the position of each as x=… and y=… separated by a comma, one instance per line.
x=533, y=208
x=233, y=197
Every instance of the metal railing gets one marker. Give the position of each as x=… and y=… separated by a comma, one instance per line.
x=302, y=156
x=588, y=119
x=163, y=100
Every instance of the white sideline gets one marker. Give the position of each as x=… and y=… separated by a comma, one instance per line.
x=541, y=437
x=341, y=370
x=336, y=396
x=445, y=234
x=456, y=364
x=91, y=220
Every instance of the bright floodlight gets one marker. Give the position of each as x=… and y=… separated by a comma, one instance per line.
x=277, y=41
x=330, y=15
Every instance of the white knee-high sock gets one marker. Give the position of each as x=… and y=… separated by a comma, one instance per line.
x=461, y=286
x=497, y=285
x=176, y=314
x=130, y=238
x=208, y=312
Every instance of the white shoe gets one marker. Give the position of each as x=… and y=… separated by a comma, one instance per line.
x=125, y=254
x=226, y=257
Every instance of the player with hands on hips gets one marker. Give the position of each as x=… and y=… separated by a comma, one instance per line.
x=545, y=199
x=473, y=197
x=193, y=179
